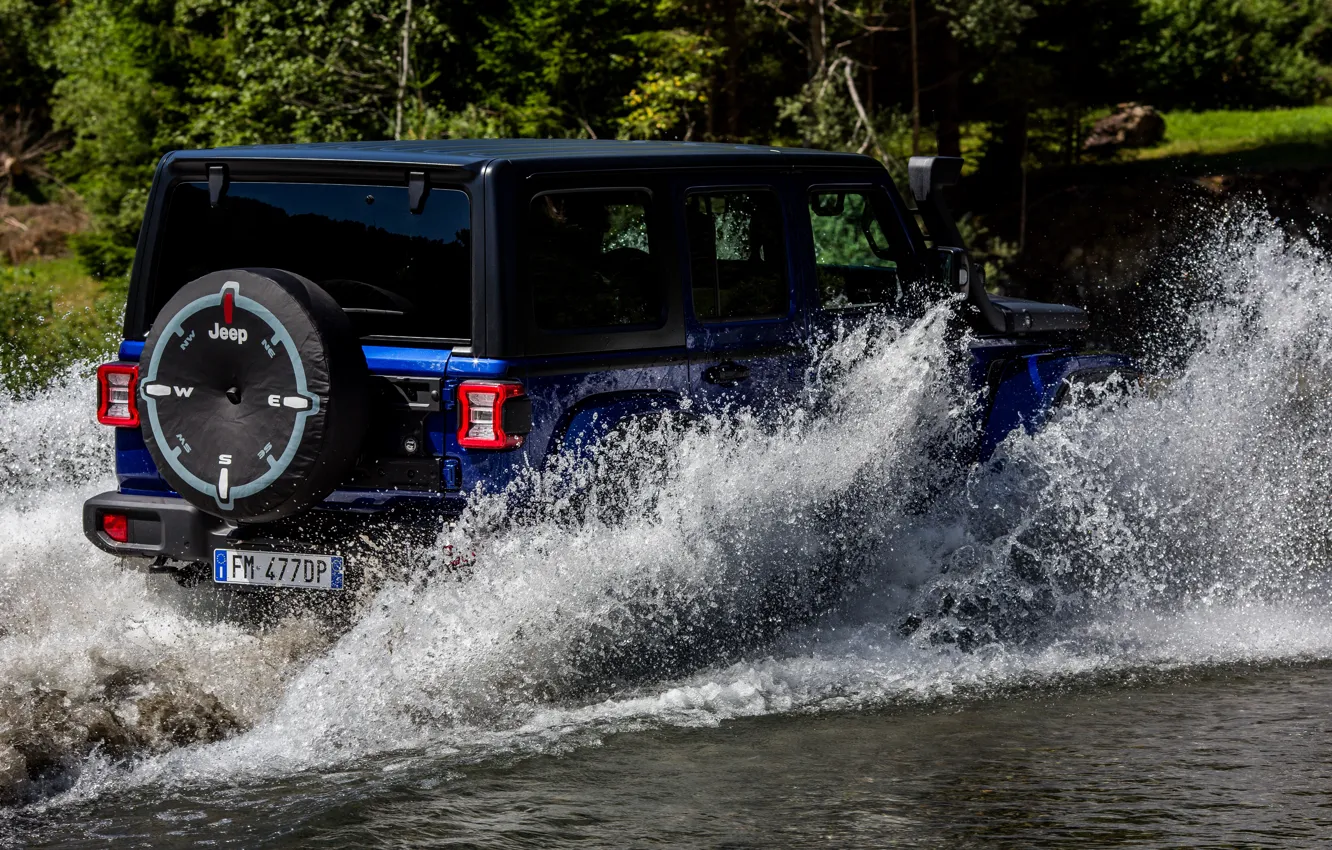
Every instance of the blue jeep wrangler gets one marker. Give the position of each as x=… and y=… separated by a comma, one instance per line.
x=318, y=336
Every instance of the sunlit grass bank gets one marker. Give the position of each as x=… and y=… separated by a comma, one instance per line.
x=1226, y=131
x=1292, y=137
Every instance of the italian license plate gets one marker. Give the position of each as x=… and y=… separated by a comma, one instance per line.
x=277, y=569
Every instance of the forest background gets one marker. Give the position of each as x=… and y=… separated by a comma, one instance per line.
x=93, y=92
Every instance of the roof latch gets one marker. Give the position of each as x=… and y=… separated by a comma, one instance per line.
x=217, y=183
x=417, y=189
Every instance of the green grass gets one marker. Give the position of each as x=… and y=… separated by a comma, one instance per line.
x=71, y=287
x=1226, y=131
x=53, y=316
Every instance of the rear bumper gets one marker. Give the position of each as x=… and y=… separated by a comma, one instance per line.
x=169, y=529
x=159, y=526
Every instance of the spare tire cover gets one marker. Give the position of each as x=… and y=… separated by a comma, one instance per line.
x=252, y=385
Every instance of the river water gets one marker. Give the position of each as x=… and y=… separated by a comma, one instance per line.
x=820, y=632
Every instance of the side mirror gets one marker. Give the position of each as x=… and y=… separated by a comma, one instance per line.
x=828, y=204
x=954, y=268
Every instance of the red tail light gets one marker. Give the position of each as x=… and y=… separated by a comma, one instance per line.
x=117, y=388
x=116, y=527
x=493, y=415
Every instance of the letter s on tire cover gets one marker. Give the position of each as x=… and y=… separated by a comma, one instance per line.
x=252, y=387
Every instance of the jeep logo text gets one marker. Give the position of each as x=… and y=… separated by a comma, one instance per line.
x=237, y=335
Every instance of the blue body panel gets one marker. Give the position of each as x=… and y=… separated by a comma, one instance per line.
x=576, y=400
x=135, y=470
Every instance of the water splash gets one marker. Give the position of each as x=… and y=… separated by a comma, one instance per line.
x=95, y=657
x=1208, y=490
x=768, y=566
x=754, y=523
x=51, y=440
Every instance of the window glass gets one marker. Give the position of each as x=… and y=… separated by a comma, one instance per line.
x=736, y=257
x=393, y=272
x=589, y=261
x=857, y=263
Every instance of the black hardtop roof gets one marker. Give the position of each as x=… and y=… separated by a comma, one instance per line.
x=560, y=154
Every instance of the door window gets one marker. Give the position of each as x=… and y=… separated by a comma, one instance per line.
x=856, y=261
x=589, y=261
x=737, y=258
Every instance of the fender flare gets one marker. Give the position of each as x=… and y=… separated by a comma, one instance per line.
x=584, y=425
x=1030, y=387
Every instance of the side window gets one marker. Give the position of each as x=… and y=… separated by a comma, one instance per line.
x=736, y=255
x=856, y=261
x=589, y=261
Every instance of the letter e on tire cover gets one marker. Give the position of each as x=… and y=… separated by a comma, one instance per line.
x=253, y=392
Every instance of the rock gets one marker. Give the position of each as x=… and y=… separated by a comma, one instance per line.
x=13, y=773
x=1131, y=125
x=41, y=731
x=120, y=682
x=103, y=728
x=46, y=734
x=181, y=718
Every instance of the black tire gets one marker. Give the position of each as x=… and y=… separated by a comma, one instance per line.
x=252, y=393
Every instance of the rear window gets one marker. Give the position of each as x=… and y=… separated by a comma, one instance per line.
x=589, y=262
x=395, y=273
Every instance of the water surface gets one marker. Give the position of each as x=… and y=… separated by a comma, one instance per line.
x=1220, y=757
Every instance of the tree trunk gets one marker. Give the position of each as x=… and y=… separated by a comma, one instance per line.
x=1070, y=132
x=1015, y=141
x=949, y=108
x=715, y=82
x=872, y=66
x=406, y=65
x=709, y=109
x=732, y=69
x=871, y=137
x=818, y=40
x=915, y=84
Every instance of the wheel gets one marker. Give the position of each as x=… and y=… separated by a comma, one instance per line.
x=253, y=394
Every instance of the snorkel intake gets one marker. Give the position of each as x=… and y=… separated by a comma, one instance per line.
x=928, y=175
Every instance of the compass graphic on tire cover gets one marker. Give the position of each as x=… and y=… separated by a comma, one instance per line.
x=227, y=375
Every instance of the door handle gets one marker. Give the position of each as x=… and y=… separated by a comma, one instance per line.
x=726, y=374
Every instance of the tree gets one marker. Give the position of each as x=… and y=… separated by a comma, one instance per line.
x=1203, y=54
x=314, y=70
x=830, y=110
x=126, y=70
x=128, y=80
x=559, y=67
x=671, y=95
x=28, y=76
